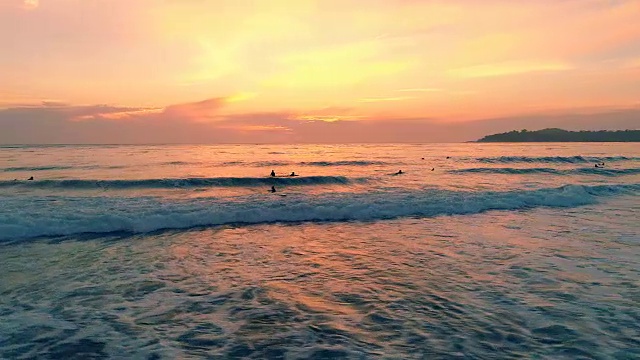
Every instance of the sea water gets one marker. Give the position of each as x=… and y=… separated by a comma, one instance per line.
x=476, y=251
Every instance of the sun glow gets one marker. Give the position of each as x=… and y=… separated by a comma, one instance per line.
x=31, y=4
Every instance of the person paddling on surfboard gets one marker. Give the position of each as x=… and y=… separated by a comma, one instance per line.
x=273, y=173
x=273, y=189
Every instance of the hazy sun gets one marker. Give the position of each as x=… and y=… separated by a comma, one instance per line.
x=31, y=4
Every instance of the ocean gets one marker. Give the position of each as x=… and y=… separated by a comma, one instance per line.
x=476, y=251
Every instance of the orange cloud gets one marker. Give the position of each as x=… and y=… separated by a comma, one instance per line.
x=276, y=128
x=120, y=115
x=327, y=118
x=201, y=110
x=328, y=114
x=205, y=110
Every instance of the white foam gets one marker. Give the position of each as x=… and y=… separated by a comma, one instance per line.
x=24, y=218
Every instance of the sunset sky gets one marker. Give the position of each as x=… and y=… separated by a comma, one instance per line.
x=304, y=70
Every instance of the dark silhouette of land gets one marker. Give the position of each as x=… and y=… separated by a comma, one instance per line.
x=560, y=135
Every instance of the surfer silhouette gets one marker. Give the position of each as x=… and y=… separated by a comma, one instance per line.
x=399, y=172
x=432, y=169
x=273, y=173
x=30, y=179
x=293, y=173
x=273, y=189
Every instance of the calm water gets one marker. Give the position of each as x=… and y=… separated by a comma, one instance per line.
x=478, y=251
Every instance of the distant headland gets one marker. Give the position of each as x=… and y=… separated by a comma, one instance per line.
x=560, y=135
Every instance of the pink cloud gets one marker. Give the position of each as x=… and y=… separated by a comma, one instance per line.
x=175, y=124
x=201, y=110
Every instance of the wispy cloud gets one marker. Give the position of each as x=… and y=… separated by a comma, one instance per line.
x=386, y=99
x=119, y=115
x=420, y=90
x=241, y=127
x=327, y=118
x=54, y=103
x=508, y=68
x=204, y=110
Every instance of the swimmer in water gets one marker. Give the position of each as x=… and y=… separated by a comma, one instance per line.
x=273, y=173
x=273, y=189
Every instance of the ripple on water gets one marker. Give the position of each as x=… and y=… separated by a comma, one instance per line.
x=554, y=334
x=253, y=292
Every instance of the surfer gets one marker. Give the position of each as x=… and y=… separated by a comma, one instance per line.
x=293, y=173
x=30, y=179
x=399, y=172
x=597, y=166
x=432, y=169
x=273, y=189
x=273, y=173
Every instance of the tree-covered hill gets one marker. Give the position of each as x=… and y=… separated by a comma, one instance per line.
x=560, y=135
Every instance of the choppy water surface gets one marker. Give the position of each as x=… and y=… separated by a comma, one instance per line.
x=500, y=251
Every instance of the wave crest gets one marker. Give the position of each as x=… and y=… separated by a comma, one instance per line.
x=181, y=183
x=57, y=216
x=343, y=163
x=553, y=159
x=524, y=171
x=36, y=168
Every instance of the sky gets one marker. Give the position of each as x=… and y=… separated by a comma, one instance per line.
x=192, y=71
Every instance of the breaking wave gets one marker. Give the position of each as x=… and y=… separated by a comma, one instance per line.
x=343, y=163
x=578, y=171
x=36, y=168
x=180, y=183
x=553, y=159
x=59, y=215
